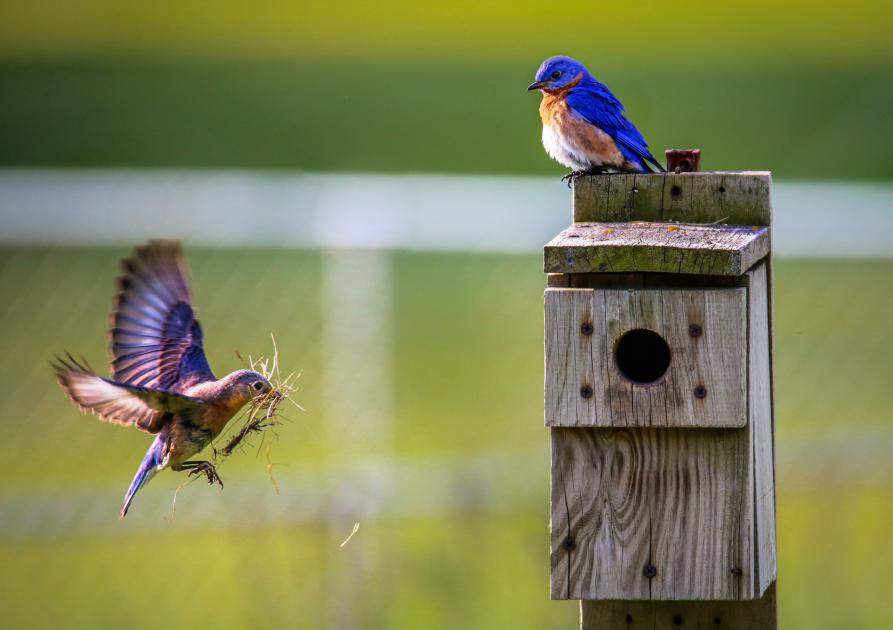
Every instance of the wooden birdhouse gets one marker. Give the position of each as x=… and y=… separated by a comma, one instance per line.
x=658, y=390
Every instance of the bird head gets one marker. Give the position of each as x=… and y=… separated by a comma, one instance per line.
x=250, y=384
x=558, y=73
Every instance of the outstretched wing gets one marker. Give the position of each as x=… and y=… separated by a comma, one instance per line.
x=124, y=404
x=596, y=103
x=156, y=342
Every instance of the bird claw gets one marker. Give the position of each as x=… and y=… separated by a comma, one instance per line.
x=207, y=468
x=573, y=176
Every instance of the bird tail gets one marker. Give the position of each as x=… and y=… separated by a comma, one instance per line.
x=152, y=462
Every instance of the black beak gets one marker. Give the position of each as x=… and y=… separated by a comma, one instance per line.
x=537, y=85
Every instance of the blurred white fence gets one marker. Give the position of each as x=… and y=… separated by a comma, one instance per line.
x=419, y=212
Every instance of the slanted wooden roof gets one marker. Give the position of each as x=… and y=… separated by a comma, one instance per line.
x=648, y=246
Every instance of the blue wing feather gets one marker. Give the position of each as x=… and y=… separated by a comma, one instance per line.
x=592, y=100
x=156, y=340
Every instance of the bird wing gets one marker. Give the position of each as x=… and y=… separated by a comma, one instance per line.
x=156, y=341
x=148, y=409
x=596, y=103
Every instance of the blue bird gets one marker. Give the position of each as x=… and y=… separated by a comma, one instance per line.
x=584, y=127
x=161, y=381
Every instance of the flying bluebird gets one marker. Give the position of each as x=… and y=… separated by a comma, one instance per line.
x=161, y=382
x=584, y=127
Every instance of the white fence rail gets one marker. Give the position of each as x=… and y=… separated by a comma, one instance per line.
x=417, y=212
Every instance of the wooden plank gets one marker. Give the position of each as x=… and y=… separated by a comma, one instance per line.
x=723, y=250
x=572, y=357
x=760, y=421
x=578, y=358
x=650, y=514
x=703, y=197
x=760, y=614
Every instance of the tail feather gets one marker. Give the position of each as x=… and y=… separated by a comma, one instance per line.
x=149, y=466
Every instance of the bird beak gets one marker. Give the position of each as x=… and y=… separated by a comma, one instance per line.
x=537, y=85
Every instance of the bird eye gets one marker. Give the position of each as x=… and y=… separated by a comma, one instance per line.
x=257, y=385
x=556, y=74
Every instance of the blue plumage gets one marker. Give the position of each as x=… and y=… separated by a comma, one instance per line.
x=151, y=463
x=161, y=382
x=584, y=125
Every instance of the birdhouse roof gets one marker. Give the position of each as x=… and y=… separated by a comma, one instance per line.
x=648, y=246
x=714, y=223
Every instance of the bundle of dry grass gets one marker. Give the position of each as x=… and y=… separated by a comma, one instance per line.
x=264, y=411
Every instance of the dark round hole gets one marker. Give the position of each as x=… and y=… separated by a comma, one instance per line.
x=642, y=356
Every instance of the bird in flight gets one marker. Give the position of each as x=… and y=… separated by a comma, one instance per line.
x=161, y=382
x=584, y=127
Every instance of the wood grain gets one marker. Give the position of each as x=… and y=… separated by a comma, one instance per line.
x=761, y=425
x=673, y=499
x=703, y=197
x=685, y=248
x=715, y=360
x=760, y=614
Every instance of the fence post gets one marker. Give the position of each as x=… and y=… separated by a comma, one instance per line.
x=658, y=395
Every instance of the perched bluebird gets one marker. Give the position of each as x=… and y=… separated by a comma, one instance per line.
x=161, y=381
x=584, y=127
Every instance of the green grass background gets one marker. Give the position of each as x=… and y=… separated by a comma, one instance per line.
x=801, y=88
x=468, y=380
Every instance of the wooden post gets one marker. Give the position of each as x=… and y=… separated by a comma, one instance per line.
x=658, y=395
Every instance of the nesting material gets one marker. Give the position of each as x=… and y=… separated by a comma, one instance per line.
x=264, y=412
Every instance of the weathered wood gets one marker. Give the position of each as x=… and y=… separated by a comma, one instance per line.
x=641, y=281
x=758, y=614
x=658, y=514
x=724, y=250
x=558, y=280
x=733, y=198
x=585, y=387
x=760, y=424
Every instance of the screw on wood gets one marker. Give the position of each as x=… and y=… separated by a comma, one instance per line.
x=586, y=391
x=700, y=392
x=695, y=330
x=649, y=571
x=678, y=620
x=683, y=160
x=568, y=544
x=586, y=328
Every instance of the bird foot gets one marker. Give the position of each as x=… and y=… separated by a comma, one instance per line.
x=207, y=469
x=571, y=177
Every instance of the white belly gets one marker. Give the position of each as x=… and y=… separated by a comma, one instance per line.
x=564, y=150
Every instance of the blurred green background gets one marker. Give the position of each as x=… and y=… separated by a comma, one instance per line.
x=800, y=88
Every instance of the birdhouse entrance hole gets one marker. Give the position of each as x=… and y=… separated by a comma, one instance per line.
x=642, y=356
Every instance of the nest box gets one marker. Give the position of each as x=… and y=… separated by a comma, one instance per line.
x=658, y=389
